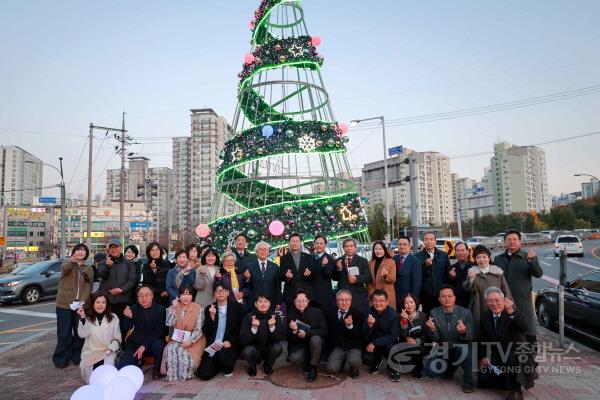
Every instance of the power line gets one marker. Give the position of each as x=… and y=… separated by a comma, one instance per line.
x=78, y=161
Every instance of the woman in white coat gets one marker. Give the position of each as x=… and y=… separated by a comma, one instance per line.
x=100, y=329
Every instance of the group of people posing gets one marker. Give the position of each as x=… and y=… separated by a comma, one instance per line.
x=417, y=311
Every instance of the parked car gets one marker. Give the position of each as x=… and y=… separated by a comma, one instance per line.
x=475, y=240
x=571, y=244
x=30, y=283
x=582, y=305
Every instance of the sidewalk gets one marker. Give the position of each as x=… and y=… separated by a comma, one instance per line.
x=26, y=372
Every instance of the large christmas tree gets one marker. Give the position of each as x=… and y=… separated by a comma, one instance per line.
x=285, y=170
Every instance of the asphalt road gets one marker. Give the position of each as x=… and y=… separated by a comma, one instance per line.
x=20, y=323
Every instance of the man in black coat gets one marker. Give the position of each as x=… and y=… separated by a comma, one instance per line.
x=435, y=266
x=318, y=277
x=264, y=278
x=118, y=280
x=261, y=334
x=382, y=329
x=356, y=284
x=459, y=272
x=222, y=321
x=345, y=334
x=291, y=268
x=147, y=318
x=502, y=329
x=306, y=334
x=243, y=258
x=408, y=272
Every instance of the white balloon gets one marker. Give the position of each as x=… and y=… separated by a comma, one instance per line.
x=134, y=373
x=120, y=388
x=88, y=392
x=103, y=374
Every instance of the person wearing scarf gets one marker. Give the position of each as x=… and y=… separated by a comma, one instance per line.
x=182, y=356
x=479, y=278
x=231, y=277
x=183, y=274
x=383, y=272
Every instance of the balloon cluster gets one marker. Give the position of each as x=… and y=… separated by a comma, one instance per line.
x=108, y=383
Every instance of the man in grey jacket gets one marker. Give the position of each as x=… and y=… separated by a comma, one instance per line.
x=451, y=326
x=118, y=277
x=519, y=267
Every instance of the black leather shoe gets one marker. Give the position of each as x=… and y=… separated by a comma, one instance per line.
x=155, y=374
x=312, y=374
x=252, y=370
x=62, y=366
x=354, y=374
x=468, y=388
x=267, y=368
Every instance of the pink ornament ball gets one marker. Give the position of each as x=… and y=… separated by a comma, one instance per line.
x=276, y=228
x=251, y=25
x=343, y=128
x=203, y=230
x=249, y=58
x=315, y=40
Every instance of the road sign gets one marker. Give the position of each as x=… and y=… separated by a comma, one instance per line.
x=395, y=150
x=139, y=224
x=47, y=200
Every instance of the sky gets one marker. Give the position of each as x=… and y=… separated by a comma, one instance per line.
x=66, y=63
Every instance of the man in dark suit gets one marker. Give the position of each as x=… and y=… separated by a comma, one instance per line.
x=147, y=318
x=318, y=277
x=502, y=328
x=261, y=334
x=408, y=272
x=459, y=272
x=306, y=335
x=435, y=266
x=291, y=269
x=222, y=321
x=264, y=278
x=345, y=334
x=355, y=283
x=243, y=258
x=451, y=326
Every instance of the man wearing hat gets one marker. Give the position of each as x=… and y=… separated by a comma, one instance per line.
x=118, y=279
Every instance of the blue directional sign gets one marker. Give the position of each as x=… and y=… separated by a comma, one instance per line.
x=395, y=150
x=139, y=224
x=47, y=200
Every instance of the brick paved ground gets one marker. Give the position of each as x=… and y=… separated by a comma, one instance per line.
x=27, y=373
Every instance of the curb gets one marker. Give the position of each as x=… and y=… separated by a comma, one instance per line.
x=24, y=341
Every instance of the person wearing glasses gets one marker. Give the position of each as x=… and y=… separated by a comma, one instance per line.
x=145, y=324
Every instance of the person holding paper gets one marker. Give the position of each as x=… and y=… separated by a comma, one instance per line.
x=182, y=354
x=352, y=273
x=381, y=329
x=291, y=270
x=317, y=275
x=145, y=324
x=502, y=328
x=222, y=321
x=100, y=329
x=306, y=335
x=413, y=331
x=261, y=334
x=74, y=287
x=383, y=272
x=345, y=324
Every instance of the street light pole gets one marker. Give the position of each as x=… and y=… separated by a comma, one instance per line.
x=385, y=169
x=63, y=235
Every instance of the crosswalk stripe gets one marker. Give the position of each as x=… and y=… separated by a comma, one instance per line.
x=585, y=264
x=28, y=313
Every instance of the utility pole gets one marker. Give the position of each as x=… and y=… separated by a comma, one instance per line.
x=63, y=216
x=459, y=223
x=123, y=139
x=89, y=190
x=170, y=221
x=122, y=193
